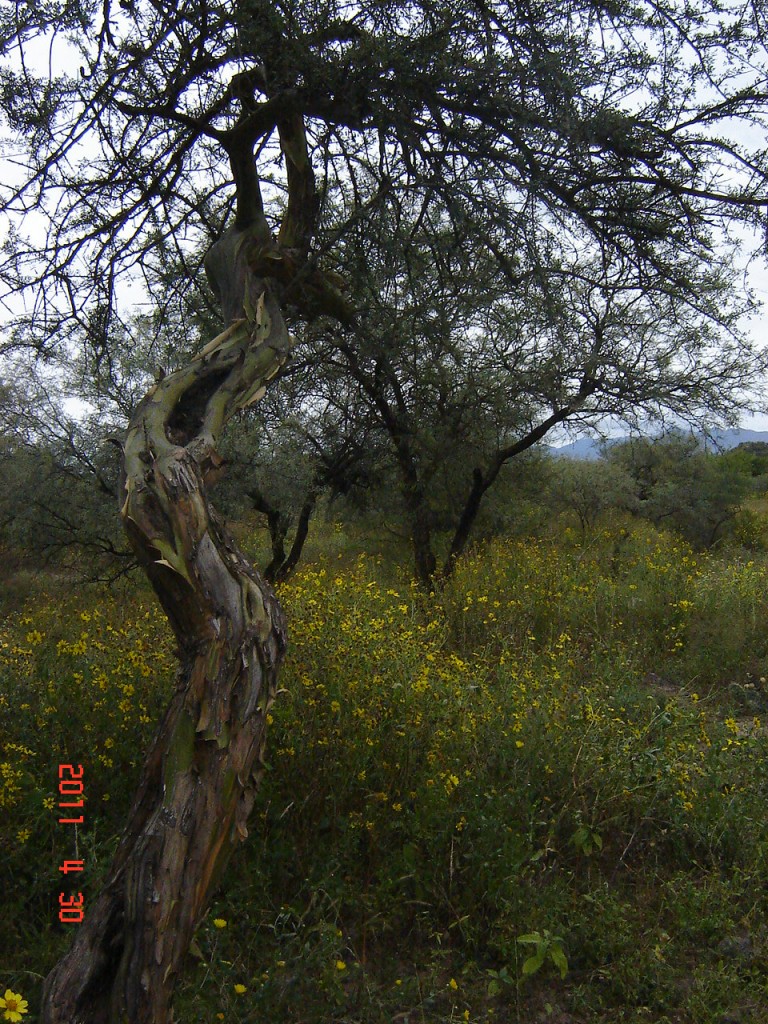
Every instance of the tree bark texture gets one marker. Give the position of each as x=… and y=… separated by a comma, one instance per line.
x=199, y=781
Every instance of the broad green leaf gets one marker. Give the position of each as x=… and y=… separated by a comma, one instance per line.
x=559, y=960
x=533, y=963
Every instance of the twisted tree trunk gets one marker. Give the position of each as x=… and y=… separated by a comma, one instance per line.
x=199, y=781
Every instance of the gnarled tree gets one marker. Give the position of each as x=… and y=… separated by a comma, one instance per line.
x=514, y=122
x=199, y=781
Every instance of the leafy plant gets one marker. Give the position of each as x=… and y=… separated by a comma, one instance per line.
x=545, y=947
x=586, y=840
x=498, y=981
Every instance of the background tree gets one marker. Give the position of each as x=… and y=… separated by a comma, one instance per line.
x=531, y=129
x=677, y=483
x=590, y=489
x=461, y=381
x=281, y=465
x=59, y=480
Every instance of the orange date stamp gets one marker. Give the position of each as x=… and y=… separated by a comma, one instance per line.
x=71, y=790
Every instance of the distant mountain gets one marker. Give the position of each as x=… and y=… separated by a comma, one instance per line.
x=589, y=447
x=584, y=448
x=727, y=439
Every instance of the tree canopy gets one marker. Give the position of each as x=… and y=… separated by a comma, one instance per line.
x=634, y=130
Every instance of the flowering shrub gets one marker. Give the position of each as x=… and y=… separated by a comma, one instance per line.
x=547, y=747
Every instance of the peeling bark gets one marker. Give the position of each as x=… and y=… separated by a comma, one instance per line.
x=200, y=778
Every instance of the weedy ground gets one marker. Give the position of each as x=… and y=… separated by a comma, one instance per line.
x=538, y=795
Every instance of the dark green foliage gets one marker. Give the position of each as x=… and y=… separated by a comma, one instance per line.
x=59, y=485
x=589, y=489
x=678, y=484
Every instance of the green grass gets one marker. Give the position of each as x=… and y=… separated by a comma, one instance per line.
x=563, y=747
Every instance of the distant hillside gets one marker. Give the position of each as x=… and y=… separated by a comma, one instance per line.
x=589, y=447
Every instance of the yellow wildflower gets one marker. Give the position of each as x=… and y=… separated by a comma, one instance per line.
x=13, y=1005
